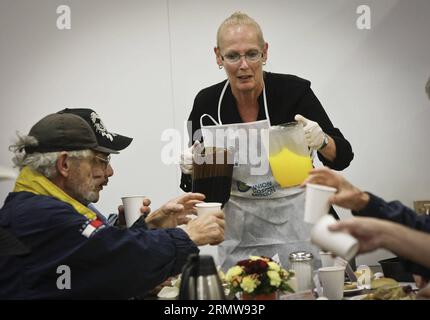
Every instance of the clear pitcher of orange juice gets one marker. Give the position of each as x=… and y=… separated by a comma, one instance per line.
x=289, y=154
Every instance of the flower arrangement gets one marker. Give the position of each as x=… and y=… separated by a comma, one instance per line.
x=257, y=276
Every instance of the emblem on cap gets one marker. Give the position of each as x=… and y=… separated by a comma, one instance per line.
x=99, y=126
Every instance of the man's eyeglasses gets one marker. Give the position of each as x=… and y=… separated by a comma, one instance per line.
x=250, y=56
x=103, y=161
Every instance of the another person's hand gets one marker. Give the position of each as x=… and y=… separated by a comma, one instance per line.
x=420, y=281
x=424, y=293
x=175, y=212
x=347, y=195
x=315, y=136
x=207, y=229
x=157, y=289
x=186, y=161
x=370, y=232
x=145, y=209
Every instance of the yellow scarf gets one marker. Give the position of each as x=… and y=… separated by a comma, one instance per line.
x=32, y=181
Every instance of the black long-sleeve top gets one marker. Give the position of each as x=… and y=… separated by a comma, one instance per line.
x=287, y=95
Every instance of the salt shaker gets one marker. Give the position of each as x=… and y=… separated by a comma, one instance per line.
x=301, y=262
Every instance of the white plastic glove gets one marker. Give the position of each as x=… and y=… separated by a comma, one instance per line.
x=313, y=132
x=186, y=161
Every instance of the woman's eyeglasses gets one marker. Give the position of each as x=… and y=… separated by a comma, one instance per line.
x=250, y=56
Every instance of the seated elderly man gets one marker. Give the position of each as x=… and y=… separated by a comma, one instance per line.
x=64, y=165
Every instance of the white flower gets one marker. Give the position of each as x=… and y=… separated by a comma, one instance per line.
x=275, y=279
x=248, y=284
x=274, y=266
x=233, y=272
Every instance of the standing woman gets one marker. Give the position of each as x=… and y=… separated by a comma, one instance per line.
x=261, y=217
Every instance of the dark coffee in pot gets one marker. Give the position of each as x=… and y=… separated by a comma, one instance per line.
x=212, y=173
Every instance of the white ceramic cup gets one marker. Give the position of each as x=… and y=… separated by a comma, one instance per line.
x=327, y=259
x=316, y=203
x=207, y=207
x=132, y=205
x=332, y=280
x=340, y=243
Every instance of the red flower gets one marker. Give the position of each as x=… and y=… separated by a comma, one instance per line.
x=254, y=266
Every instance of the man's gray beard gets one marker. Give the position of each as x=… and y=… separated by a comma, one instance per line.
x=88, y=197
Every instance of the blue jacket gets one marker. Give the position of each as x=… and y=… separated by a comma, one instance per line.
x=105, y=262
x=397, y=212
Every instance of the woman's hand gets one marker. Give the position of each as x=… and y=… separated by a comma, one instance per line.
x=317, y=139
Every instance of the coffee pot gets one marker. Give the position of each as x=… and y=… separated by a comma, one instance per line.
x=200, y=280
x=212, y=173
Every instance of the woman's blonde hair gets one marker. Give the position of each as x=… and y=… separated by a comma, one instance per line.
x=240, y=18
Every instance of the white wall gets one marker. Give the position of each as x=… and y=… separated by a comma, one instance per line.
x=140, y=64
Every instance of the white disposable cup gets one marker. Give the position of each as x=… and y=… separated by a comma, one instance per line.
x=132, y=205
x=332, y=280
x=327, y=259
x=340, y=243
x=316, y=203
x=207, y=207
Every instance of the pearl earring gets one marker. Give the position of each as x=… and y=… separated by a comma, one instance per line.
x=220, y=66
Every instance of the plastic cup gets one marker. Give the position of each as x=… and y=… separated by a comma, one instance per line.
x=316, y=203
x=327, y=259
x=207, y=207
x=340, y=243
x=332, y=280
x=132, y=205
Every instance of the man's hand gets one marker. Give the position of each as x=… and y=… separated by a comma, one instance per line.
x=175, y=212
x=347, y=195
x=424, y=293
x=368, y=231
x=207, y=229
x=145, y=209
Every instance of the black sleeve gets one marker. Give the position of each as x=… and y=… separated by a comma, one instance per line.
x=186, y=182
x=394, y=211
x=194, y=134
x=311, y=108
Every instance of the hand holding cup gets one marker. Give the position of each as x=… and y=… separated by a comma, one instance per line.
x=340, y=243
x=132, y=208
x=317, y=201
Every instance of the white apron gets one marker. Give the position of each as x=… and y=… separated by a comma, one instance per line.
x=261, y=217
